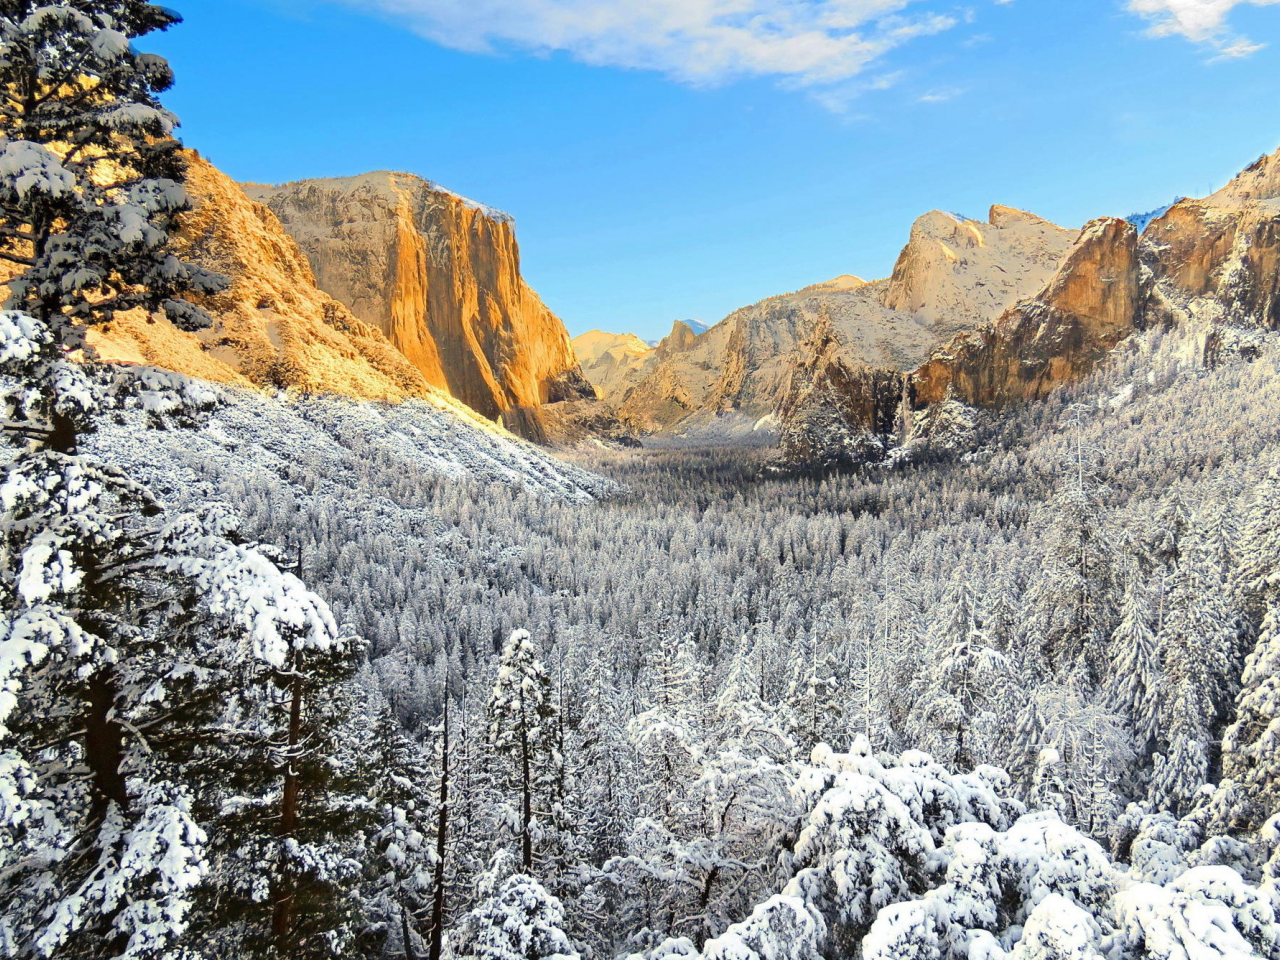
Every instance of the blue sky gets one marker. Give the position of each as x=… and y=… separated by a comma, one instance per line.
x=681, y=158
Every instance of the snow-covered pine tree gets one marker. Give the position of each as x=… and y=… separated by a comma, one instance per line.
x=1197, y=646
x=394, y=773
x=1073, y=598
x=125, y=633
x=814, y=699
x=1251, y=745
x=964, y=687
x=1135, y=686
x=99, y=849
x=522, y=710
x=520, y=922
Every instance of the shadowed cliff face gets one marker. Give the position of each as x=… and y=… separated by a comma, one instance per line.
x=836, y=411
x=440, y=277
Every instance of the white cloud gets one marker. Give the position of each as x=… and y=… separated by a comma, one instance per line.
x=1202, y=21
x=945, y=95
x=803, y=43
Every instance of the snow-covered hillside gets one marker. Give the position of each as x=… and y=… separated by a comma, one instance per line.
x=253, y=437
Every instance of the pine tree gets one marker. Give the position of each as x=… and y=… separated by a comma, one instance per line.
x=1073, y=598
x=393, y=773
x=1135, y=685
x=1251, y=745
x=964, y=688
x=143, y=656
x=1259, y=552
x=520, y=922
x=522, y=712
x=99, y=846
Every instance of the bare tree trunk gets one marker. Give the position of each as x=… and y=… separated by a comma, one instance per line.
x=282, y=918
x=406, y=935
x=104, y=745
x=526, y=845
x=442, y=833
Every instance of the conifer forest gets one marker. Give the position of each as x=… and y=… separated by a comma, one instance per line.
x=295, y=673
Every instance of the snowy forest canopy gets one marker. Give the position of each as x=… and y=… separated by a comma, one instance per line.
x=297, y=677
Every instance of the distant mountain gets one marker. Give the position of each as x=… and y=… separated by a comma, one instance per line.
x=1212, y=263
x=611, y=360
x=382, y=286
x=953, y=274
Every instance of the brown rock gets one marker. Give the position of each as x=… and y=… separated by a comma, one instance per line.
x=1218, y=258
x=953, y=274
x=440, y=277
x=1091, y=304
x=273, y=326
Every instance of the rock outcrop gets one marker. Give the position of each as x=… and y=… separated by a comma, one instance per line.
x=836, y=411
x=273, y=326
x=1218, y=258
x=611, y=362
x=956, y=274
x=1213, y=261
x=1091, y=304
x=952, y=275
x=439, y=276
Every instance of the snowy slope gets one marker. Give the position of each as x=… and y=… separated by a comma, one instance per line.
x=252, y=437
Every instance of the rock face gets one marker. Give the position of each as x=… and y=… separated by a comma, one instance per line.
x=439, y=276
x=836, y=414
x=835, y=410
x=956, y=274
x=1219, y=258
x=273, y=327
x=1214, y=261
x=611, y=361
x=1091, y=304
x=953, y=274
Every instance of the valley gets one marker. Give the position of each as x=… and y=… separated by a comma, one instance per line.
x=351, y=608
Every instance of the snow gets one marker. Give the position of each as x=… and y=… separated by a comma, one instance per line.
x=21, y=336
x=1168, y=925
x=271, y=435
x=277, y=613
x=28, y=168
x=781, y=928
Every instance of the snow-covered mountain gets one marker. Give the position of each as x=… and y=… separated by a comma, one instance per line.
x=251, y=438
x=1215, y=260
x=953, y=274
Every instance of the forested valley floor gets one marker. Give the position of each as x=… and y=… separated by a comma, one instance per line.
x=684, y=676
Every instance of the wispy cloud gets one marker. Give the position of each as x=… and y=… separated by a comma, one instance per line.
x=941, y=96
x=810, y=44
x=1201, y=21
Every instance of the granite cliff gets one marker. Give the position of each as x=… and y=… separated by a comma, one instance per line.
x=273, y=326
x=378, y=287
x=1218, y=258
x=1213, y=261
x=953, y=274
x=439, y=276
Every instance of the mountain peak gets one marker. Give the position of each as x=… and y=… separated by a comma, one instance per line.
x=1257, y=182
